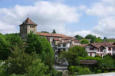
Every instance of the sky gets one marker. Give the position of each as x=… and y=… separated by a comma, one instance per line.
x=70, y=17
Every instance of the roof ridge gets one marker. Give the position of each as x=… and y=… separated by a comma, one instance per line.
x=29, y=21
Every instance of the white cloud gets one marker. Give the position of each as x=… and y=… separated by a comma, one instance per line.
x=48, y=16
x=106, y=27
x=105, y=11
x=103, y=8
x=84, y=33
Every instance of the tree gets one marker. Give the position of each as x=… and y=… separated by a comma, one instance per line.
x=42, y=47
x=98, y=40
x=91, y=37
x=73, y=54
x=37, y=69
x=19, y=61
x=107, y=62
x=44, y=32
x=78, y=37
x=84, y=41
x=4, y=48
x=14, y=40
x=105, y=39
x=54, y=31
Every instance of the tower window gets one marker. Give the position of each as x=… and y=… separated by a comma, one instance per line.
x=31, y=26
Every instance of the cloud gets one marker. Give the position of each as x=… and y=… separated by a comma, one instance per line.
x=48, y=16
x=106, y=27
x=105, y=11
x=84, y=33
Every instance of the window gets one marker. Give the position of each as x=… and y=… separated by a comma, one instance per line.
x=31, y=26
x=64, y=45
x=109, y=48
x=91, y=48
x=98, y=50
x=90, y=54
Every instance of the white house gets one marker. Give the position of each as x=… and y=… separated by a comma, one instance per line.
x=100, y=49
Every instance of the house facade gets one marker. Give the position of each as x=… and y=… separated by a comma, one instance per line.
x=100, y=49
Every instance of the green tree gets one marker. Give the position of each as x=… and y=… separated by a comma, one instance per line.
x=107, y=62
x=44, y=32
x=105, y=39
x=98, y=40
x=91, y=37
x=73, y=54
x=14, y=40
x=42, y=47
x=84, y=41
x=4, y=48
x=54, y=31
x=78, y=37
x=37, y=69
x=18, y=61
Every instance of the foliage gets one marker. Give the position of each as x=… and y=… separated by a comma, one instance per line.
x=107, y=62
x=98, y=40
x=78, y=37
x=72, y=55
x=84, y=41
x=4, y=48
x=91, y=37
x=44, y=31
x=37, y=69
x=30, y=58
x=18, y=61
x=41, y=46
x=54, y=31
x=14, y=40
x=16, y=75
x=84, y=71
x=90, y=58
x=78, y=70
x=3, y=69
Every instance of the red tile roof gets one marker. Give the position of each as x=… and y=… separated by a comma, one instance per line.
x=52, y=35
x=104, y=44
x=29, y=21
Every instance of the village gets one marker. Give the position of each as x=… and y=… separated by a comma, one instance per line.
x=60, y=43
x=57, y=37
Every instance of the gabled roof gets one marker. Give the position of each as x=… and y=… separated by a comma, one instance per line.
x=29, y=21
x=104, y=44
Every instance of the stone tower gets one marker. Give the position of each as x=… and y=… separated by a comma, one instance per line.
x=26, y=27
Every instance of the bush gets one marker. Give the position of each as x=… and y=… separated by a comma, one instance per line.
x=2, y=69
x=84, y=71
x=79, y=70
x=16, y=75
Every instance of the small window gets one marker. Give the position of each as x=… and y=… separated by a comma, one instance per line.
x=98, y=50
x=31, y=26
x=109, y=48
x=91, y=48
x=64, y=45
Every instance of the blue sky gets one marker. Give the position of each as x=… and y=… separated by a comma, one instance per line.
x=87, y=16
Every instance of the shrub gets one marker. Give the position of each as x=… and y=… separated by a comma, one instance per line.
x=84, y=71
x=79, y=70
